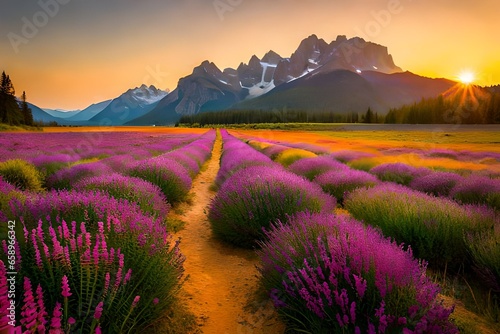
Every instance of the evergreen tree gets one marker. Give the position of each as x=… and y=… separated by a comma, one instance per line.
x=369, y=117
x=26, y=111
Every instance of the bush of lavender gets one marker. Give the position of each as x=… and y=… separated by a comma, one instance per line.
x=237, y=155
x=49, y=164
x=484, y=248
x=254, y=197
x=21, y=174
x=338, y=183
x=172, y=177
x=155, y=263
x=312, y=167
x=433, y=227
x=7, y=193
x=477, y=190
x=349, y=155
x=436, y=183
x=95, y=279
x=147, y=195
x=331, y=274
x=398, y=172
x=64, y=178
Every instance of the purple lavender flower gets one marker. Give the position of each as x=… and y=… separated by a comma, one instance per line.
x=172, y=177
x=349, y=155
x=398, y=172
x=147, y=195
x=477, y=190
x=436, y=183
x=360, y=271
x=65, y=287
x=339, y=182
x=255, y=196
x=411, y=216
x=98, y=311
x=312, y=167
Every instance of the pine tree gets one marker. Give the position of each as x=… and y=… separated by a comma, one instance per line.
x=369, y=116
x=26, y=111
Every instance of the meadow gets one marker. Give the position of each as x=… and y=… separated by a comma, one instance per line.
x=352, y=230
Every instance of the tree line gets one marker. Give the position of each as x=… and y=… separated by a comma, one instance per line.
x=226, y=117
x=482, y=107
x=12, y=111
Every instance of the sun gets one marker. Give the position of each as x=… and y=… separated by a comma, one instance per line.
x=466, y=77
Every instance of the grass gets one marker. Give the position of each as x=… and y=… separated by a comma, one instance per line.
x=18, y=128
x=474, y=308
x=179, y=320
x=175, y=225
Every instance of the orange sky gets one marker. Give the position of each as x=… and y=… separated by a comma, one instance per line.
x=93, y=50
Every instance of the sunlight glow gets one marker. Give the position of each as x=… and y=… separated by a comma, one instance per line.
x=466, y=77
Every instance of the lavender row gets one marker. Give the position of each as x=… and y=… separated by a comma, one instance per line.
x=97, y=258
x=254, y=192
x=474, y=189
x=173, y=171
x=68, y=147
x=332, y=274
x=88, y=262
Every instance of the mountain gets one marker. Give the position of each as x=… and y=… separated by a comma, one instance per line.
x=343, y=91
x=128, y=106
x=331, y=64
x=89, y=112
x=39, y=115
x=206, y=89
x=61, y=113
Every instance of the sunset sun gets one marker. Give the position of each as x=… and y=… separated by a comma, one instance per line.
x=466, y=77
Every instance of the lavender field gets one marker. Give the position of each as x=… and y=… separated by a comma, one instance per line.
x=348, y=238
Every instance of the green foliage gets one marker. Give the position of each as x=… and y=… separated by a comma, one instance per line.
x=10, y=111
x=454, y=110
x=288, y=157
x=484, y=248
x=21, y=174
x=364, y=164
x=278, y=117
x=433, y=227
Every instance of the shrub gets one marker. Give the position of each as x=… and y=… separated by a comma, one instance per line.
x=147, y=195
x=477, y=190
x=172, y=178
x=349, y=155
x=484, y=248
x=331, y=274
x=254, y=197
x=289, y=156
x=433, y=227
x=49, y=164
x=436, y=183
x=337, y=183
x=21, y=174
x=7, y=193
x=273, y=151
x=364, y=164
x=312, y=167
x=146, y=246
x=237, y=155
x=398, y=172
x=64, y=178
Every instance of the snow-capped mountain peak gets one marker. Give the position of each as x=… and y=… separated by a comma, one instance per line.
x=145, y=95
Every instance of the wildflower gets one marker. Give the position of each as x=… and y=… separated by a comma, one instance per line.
x=65, y=287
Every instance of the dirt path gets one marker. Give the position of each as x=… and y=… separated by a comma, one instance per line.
x=222, y=284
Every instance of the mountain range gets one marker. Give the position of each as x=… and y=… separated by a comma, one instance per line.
x=343, y=76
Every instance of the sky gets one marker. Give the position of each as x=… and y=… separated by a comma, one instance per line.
x=68, y=54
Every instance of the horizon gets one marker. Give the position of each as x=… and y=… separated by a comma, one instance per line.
x=88, y=52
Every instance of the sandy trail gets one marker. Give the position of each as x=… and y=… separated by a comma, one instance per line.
x=222, y=284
